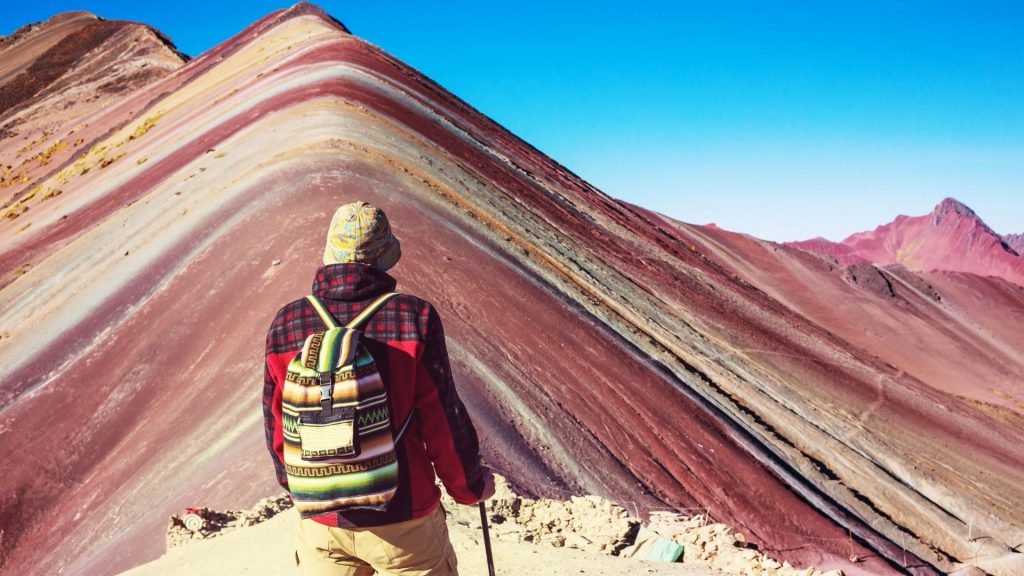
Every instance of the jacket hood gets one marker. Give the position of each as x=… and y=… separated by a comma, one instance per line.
x=351, y=282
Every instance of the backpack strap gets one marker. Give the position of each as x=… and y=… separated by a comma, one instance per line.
x=401, y=431
x=335, y=344
x=363, y=316
x=322, y=311
x=370, y=310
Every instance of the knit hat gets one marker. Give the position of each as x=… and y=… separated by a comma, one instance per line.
x=360, y=232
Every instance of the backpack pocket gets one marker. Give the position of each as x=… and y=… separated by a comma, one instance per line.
x=328, y=434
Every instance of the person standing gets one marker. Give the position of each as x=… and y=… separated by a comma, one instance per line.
x=432, y=431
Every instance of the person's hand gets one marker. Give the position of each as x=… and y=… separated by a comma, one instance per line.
x=488, y=491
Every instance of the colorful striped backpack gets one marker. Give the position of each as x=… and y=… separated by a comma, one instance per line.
x=339, y=450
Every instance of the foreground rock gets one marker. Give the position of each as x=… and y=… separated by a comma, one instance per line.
x=597, y=526
x=266, y=550
x=529, y=536
x=213, y=523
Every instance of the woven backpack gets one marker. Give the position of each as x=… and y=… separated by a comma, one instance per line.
x=339, y=450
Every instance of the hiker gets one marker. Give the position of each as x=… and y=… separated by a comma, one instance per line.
x=362, y=472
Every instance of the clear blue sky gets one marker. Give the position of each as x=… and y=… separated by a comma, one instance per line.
x=785, y=120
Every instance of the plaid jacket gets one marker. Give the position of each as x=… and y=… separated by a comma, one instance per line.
x=407, y=340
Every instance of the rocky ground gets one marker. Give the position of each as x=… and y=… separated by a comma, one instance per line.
x=582, y=535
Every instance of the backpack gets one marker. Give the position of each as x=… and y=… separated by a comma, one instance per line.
x=339, y=451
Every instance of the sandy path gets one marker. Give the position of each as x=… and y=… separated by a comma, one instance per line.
x=265, y=550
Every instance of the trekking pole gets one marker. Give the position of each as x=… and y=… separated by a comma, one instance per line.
x=487, y=539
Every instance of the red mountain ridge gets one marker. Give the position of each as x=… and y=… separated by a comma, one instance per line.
x=952, y=238
x=1015, y=241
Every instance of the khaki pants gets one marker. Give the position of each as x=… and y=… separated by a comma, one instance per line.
x=414, y=548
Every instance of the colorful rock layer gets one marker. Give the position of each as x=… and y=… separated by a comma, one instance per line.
x=602, y=348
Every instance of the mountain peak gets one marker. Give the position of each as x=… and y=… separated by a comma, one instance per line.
x=72, y=15
x=951, y=207
x=307, y=8
x=1015, y=242
x=952, y=212
x=951, y=238
x=64, y=19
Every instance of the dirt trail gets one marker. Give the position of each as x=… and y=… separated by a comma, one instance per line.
x=582, y=535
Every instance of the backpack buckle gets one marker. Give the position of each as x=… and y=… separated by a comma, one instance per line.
x=326, y=390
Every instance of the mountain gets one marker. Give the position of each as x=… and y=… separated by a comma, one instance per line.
x=33, y=41
x=849, y=417
x=1015, y=241
x=57, y=81
x=842, y=253
x=952, y=238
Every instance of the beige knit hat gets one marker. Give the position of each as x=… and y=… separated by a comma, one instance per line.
x=360, y=232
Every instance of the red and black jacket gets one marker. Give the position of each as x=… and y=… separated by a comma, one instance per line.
x=407, y=341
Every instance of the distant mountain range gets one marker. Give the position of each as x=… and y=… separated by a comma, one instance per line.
x=1015, y=241
x=952, y=238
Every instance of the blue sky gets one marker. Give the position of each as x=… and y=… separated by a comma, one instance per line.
x=785, y=120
